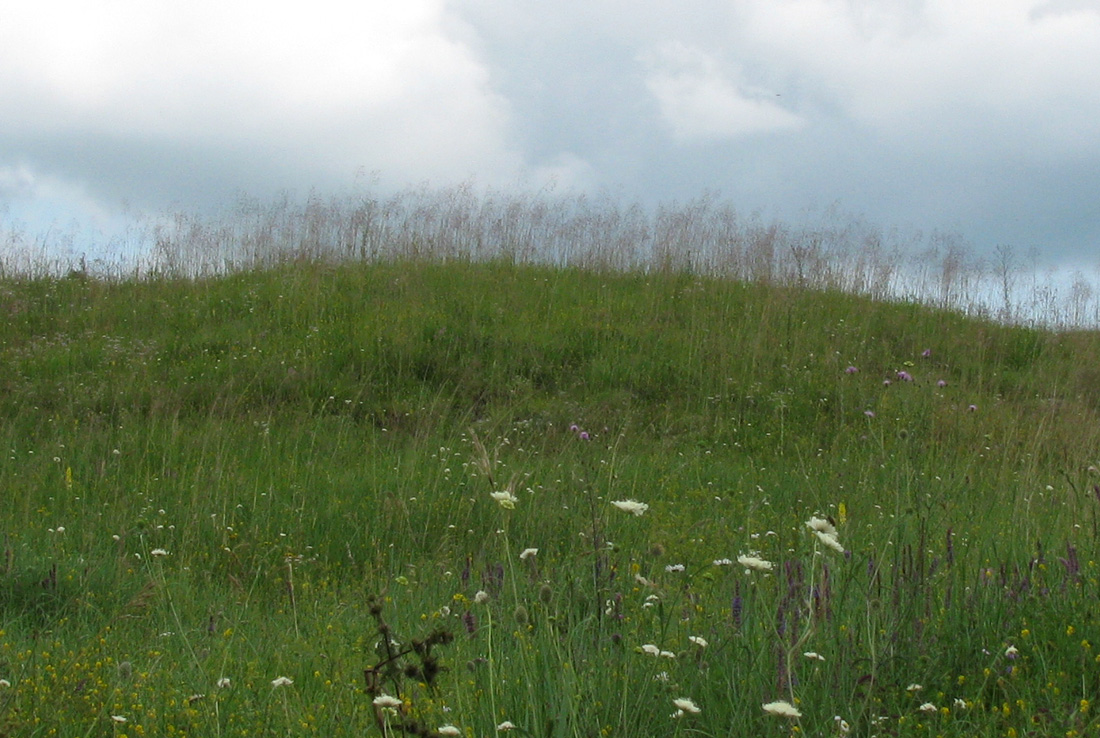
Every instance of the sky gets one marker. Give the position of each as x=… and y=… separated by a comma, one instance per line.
x=976, y=117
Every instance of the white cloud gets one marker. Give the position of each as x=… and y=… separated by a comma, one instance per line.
x=701, y=101
x=965, y=75
x=335, y=86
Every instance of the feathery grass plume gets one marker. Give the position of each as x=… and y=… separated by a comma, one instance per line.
x=754, y=563
x=782, y=708
x=631, y=506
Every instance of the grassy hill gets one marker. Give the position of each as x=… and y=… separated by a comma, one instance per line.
x=280, y=471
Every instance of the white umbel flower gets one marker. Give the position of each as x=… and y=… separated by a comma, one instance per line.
x=780, y=708
x=631, y=506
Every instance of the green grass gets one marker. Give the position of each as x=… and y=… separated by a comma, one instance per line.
x=303, y=439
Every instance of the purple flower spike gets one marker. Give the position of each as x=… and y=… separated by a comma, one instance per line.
x=905, y=376
x=851, y=370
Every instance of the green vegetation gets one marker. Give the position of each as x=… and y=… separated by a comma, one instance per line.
x=209, y=484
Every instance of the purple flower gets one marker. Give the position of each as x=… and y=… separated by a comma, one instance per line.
x=905, y=376
x=941, y=383
x=574, y=428
x=869, y=413
x=972, y=408
x=926, y=353
x=851, y=370
x=584, y=436
x=886, y=383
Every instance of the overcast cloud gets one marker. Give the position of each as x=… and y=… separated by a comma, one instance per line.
x=976, y=116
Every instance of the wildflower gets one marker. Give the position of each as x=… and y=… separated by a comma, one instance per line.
x=282, y=681
x=158, y=552
x=821, y=525
x=505, y=499
x=5, y=683
x=886, y=383
x=674, y=568
x=814, y=656
x=699, y=641
x=926, y=353
x=781, y=708
x=851, y=370
x=960, y=704
x=1012, y=652
x=528, y=553
x=905, y=376
x=972, y=408
x=869, y=413
x=448, y=730
x=584, y=436
x=667, y=655
x=631, y=506
x=829, y=541
x=481, y=597
x=224, y=683
x=60, y=529
x=651, y=649
x=685, y=704
x=755, y=563
x=914, y=688
x=842, y=725
x=385, y=700
x=941, y=383
x=506, y=725
x=929, y=708
x=118, y=718
x=723, y=562
x=642, y=580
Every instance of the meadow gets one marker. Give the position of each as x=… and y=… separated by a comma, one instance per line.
x=456, y=493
